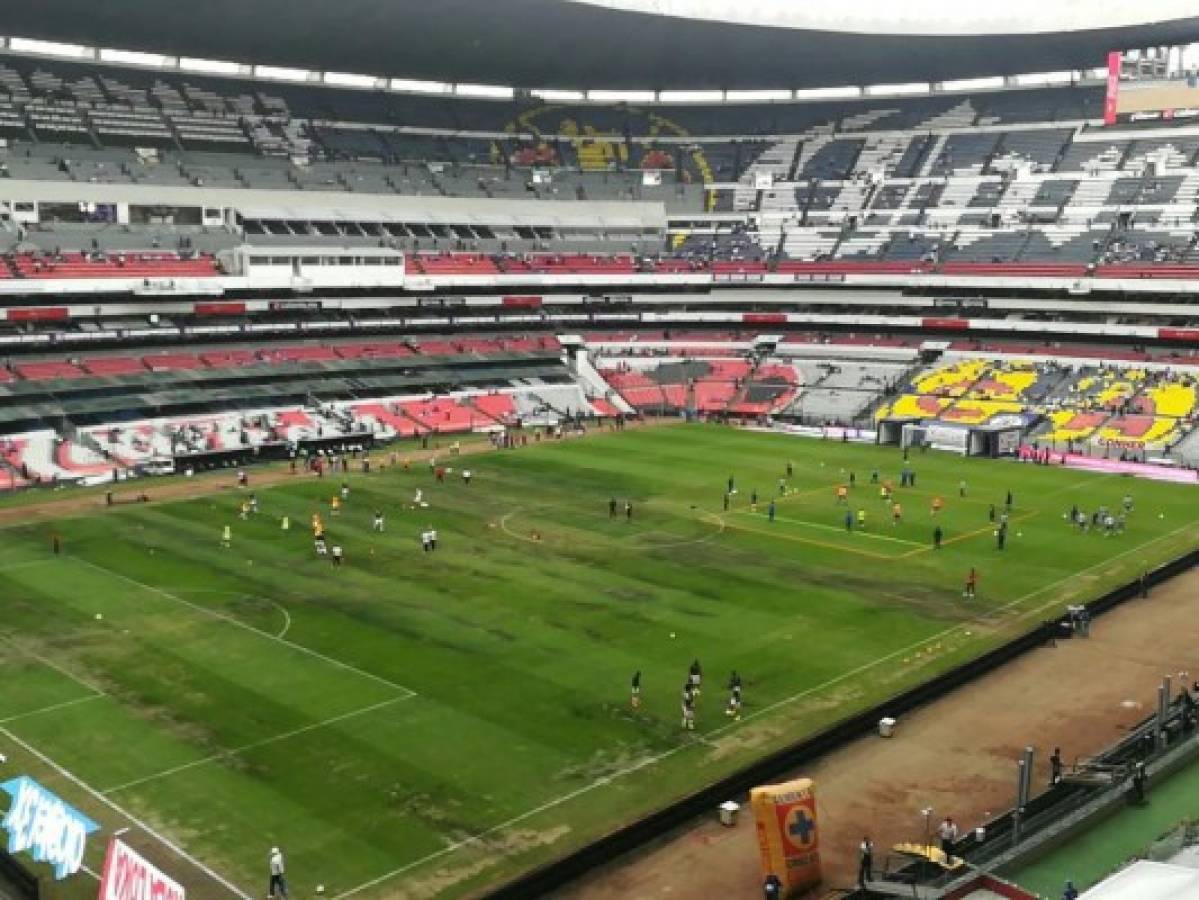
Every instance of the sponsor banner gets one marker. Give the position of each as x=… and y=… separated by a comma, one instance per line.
x=523, y=302
x=129, y=876
x=38, y=314
x=945, y=324
x=819, y=278
x=1179, y=334
x=826, y=432
x=219, y=309
x=294, y=305
x=1115, y=466
x=1112, y=100
x=42, y=825
x=764, y=318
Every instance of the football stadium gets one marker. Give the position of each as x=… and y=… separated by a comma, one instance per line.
x=599, y=449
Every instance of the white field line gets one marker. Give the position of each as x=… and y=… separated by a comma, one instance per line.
x=225, y=754
x=806, y=524
x=652, y=760
x=237, y=623
x=52, y=708
x=166, y=842
x=286, y=619
x=26, y=564
x=25, y=651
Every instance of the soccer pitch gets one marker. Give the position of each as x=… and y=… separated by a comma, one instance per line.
x=423, y=724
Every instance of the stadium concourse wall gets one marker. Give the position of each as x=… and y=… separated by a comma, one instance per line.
x=784, y=762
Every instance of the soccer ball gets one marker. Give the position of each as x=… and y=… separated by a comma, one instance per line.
x=320, y=889
x=99, y=616
x=672, y=635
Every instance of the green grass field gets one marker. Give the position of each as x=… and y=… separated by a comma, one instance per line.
x=425, y=724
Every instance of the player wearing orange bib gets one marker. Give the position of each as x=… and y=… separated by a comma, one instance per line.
x=842, y=493
x=896, y=514
x=937, y=504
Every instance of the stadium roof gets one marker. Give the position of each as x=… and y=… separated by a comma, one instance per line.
x=626, y=44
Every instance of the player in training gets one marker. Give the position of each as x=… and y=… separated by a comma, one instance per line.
x=968, y=593
x=378, y=523
x=734, y=707
x=694, y=676
x=635, y=691
x=226, y=537
x=688, y=708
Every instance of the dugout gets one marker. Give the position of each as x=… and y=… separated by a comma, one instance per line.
x=891, y=431
x=992, y=439
x=995, y=440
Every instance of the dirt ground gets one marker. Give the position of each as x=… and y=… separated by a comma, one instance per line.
x=957, y=755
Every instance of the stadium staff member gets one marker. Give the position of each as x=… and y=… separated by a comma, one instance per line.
x=865, y=860
x=948, y=833
x=278, y=882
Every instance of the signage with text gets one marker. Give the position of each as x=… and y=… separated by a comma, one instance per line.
x=129, y=876
x=48, y=829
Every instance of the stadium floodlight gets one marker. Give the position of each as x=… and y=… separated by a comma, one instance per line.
x=690, y=96
x=132, y=57
x=283, y=73
x=757, y=96
x=491, y=91
x=829, y=93
x=905, y=89
x=412, y=86
x=555, y=95
x=48, y=48
x=605, y=96
x=208, y=66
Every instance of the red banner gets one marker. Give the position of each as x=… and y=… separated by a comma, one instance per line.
x=1111, y=100
x=764, y=318
x=946, y=324
x=219, y=309
x=526, y=302
x=128, y=876
x=38, y=314
x=1179, y=334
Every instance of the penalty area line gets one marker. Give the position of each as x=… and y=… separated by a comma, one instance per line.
x=120, y=811
x=254, y=745
x=237, y=623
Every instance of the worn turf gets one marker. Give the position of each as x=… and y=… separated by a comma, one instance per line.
x=416, y=724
